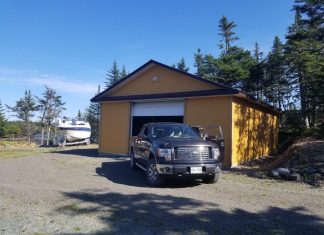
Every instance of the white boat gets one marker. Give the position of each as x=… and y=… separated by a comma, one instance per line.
x=75, y=130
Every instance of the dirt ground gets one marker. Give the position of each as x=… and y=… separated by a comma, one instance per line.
x=73, y=191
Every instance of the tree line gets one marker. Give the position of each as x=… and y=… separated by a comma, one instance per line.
x=289, y=77
x=49, y=107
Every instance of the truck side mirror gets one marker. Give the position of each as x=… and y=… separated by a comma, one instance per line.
x=141, y=137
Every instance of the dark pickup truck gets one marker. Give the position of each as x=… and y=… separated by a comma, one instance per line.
x=165, y=150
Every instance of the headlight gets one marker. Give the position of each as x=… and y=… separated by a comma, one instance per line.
x=216, y=153
x=164, y=153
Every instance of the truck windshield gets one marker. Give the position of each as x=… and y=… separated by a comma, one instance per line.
x=173, y=131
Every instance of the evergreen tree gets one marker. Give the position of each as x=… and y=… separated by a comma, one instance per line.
x=255, y=82
x=233, y=68
x=24, y=109
x=3, y=122
x=278, y=89
x=113, y=75
x=181, y=65
x=199, y=60
x=50, y=106
x=226, y=31
x=93, y=117
x=79, y=115
x=209, y=69
x=12, y=130
x=123, y=72
x=304, y=51
x=257, y=54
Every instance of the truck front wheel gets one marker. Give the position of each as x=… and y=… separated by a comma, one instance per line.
x=132, y=161
x=153, y=178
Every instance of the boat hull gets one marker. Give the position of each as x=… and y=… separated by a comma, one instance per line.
x=76, y=134
x=75, y=130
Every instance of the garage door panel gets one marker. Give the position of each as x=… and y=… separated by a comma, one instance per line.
x=163, y=111
x=172, y=108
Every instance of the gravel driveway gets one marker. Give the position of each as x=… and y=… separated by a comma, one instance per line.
x=76, y=192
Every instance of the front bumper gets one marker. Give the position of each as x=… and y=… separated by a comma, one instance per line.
x=186, y=169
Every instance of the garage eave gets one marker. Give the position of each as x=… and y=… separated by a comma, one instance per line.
x=258, y=102
x=216, y=92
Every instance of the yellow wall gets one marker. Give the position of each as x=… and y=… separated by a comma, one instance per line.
x=255, y=131
x=168, y=81
x=211, y=110
x=114, y=127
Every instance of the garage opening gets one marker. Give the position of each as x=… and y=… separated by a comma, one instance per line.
x=164, y=111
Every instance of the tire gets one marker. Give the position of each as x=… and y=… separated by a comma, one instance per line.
x=132, y=161
x=153, y=178
x=211, y=179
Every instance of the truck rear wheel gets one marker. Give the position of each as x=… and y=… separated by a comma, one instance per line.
x=211, y=179
x=153, y=178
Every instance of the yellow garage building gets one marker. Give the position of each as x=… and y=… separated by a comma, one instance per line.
x=156, y=93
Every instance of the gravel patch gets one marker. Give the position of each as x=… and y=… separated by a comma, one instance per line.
x=77, y=192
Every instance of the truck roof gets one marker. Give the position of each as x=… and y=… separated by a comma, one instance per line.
x=168, y=123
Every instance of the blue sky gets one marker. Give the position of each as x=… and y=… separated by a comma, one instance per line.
x=69, y=45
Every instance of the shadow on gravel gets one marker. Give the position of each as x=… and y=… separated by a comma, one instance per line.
x=91, y=152
x=145, y=213
x=119, y=172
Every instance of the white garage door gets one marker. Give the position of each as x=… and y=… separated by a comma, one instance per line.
x=165, y=108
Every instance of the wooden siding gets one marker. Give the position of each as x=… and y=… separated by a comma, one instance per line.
x=255, y=131
x=114, y=127
x=211, y=110
x=168, y=81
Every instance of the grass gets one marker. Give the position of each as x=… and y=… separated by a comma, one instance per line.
x=22, y=149
x=10, y=149
x=77, y=229
x=16, y=152
x=74, y=207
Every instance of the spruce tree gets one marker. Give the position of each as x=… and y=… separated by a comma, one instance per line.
x=304, y=51
x=227, y=33
x=25, y=109
x=257, y=54
x=3, y=121
x=123, y=72
x=181, y=65
x=278, y=87
x=79, y=115
x=93, y=117
x=233, y=68
x=199, y=61
x=254, y=83
x=51, y=106
x=113, y=75
x=12, y=130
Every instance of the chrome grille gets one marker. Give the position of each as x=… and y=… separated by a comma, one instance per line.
x=192, y=153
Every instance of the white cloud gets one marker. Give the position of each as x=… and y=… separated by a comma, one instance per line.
x=70, y=86
x=59, y=83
